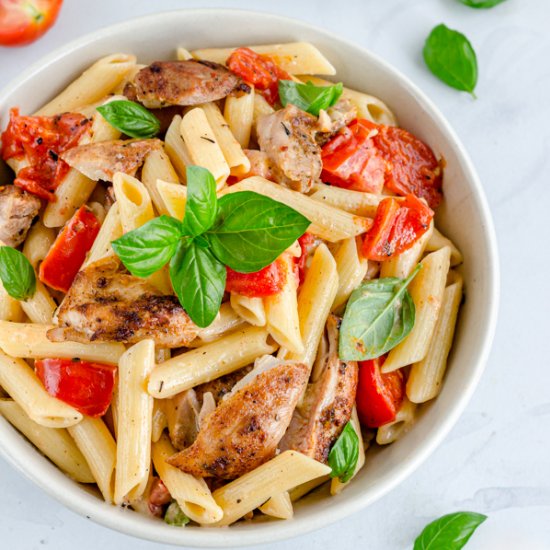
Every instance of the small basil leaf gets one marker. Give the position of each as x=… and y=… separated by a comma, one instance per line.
x=308, y=97
x=174, y=515
x=147, y=248
x=16, y=273
x=344, y=454
x=201, y=204
x=481, y=4
x=450, y=57
x=198, y=279
x=130, y=118
x=253, y=230
x=379, y=315
x=450, y=532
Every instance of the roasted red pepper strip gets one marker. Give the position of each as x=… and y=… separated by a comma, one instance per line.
x=397, y=226
x=379, y=396
x=40, y=140
x=68, y=252
x=88, y=387
x=266, y=282
x=259, y=70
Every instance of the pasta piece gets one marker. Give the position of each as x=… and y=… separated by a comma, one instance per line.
x=251, y=490
x=40, y=307
x=301, y=490
x=182, y=54
x=426, y=290
x=135, y=413
x=174, y=197
x=38, y=243
x=23, y=386
x=292, y=57
x=238, y=162
x=226, y=321
x=327, y=222
x=157, y=166
x=437, y=241
x=176, y=149
x=249, y=309
x=96, y=443
x=239, y=114
x=10, y=308
x=29, y=340
x=202, y=144
x=261, y=107
x=278, y=506
x=93, y=84
x=110, y=230
x=191, y=493
x=354, y=202
x=160, y=420
x=209, y=362
x=54, y=443
x=388, y=433
x=352, y=269
x=426, y=377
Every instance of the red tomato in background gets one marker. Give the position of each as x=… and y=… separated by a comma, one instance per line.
x=24, y=21
x=379, y=395
x=88, y=387
x=266, y=282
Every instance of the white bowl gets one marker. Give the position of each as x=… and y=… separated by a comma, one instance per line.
x=464, y=216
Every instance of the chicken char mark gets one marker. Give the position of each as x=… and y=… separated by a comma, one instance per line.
x=17, y=210
x=105, y=305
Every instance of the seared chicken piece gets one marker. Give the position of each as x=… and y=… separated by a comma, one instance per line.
x=327, y=404
x=220, y=387
x=334, y=119
x=101, y=160
x=17, y=210
x=287, y=137
x=191, y=82
x=104, y=305
x=244, y=430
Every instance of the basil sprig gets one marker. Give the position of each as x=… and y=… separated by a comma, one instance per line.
x=130, y=118
x=481, y=4
x=451, y=57
x=174, y=515
x=379, y=315
x=244, y=230
x=16, y=273
x=449, y=532
x=308, y=97
x=344, y=454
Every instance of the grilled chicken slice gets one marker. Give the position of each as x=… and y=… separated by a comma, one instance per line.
x=191, y=82
x=287, y=137
x=101, y=160
x=104, y=305
x=327, y=404
x=334, y=119
x=244, y=430
x=17, y=210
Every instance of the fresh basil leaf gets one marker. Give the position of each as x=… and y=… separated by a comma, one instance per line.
x=379, y=315
x=451, y=57
x=16, y=273
x=450, y=532
x=344, y=454
x=174, y=515
x=130, y=118
x=253, y=230
x=481, y=4
x=147, y=248
x=308, y=97
x=201, y=204
x=198, y=279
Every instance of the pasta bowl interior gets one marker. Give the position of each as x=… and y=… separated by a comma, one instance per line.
x=463, y=217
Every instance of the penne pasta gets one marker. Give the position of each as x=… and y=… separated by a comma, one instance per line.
x=226, y=321
x=278, y=506
x=157, y=166
x=111, y=229
x=10, y=308
x=133, y=201
x=40, y=307
x=437, y=241
x=182, y=54
x=38, y=243
x=354, y=202
x=249, y=309
x=352, y=269
x=160, y=421
x=174, y=197
x=176, y=149
x=239, y=114
x=404, y=419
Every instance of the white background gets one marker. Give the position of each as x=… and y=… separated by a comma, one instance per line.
x=497, y=458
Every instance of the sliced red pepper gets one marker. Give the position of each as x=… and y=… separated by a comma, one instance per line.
x=266, y=282
x=68, y=252
x=379, y=396
x=397, y=226
x=88, y=387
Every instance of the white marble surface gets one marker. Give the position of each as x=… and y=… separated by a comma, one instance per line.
x=497, y=458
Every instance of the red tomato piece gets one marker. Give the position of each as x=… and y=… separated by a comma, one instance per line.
x=68, y=252
x=266, y=282
x=259, y=70
x=88, y=387
x=24, y=21
x=351, y=160
x=379, y=395
x=397, y=226
x=41, y=139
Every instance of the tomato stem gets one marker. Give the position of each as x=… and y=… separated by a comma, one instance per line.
x=33, y=11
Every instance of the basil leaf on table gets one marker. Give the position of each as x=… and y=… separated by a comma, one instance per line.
x=130, y=118
x=308, y=97
x=379, y=315
x=174, y=515
x=16, y=273
x=449, y=532
x=253, y=230
x=149, y=247
x=198, y=279
x=451, y=57
x=201, y=203
x=481, y=4
x=344, y=454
